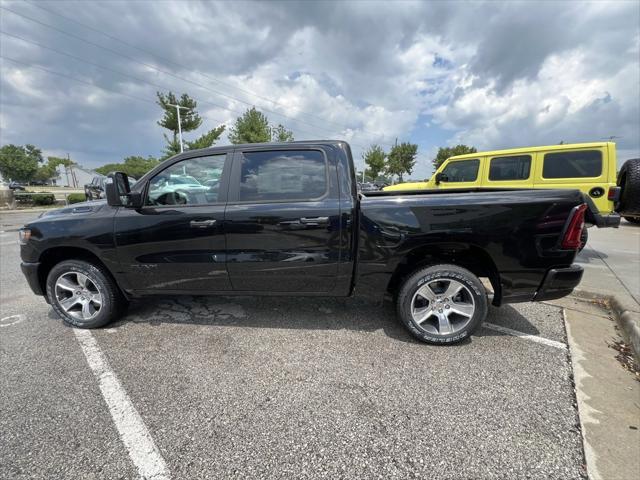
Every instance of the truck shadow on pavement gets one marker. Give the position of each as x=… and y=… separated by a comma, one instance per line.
x=296, y=313
x=589, y=254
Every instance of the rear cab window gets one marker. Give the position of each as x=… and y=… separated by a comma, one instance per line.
x=282, y=175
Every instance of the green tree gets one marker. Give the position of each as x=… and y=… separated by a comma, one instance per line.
x=45, y=172
x=19, y=163
x=375, y=159
x=189, y=120
x=402, y=159
x=446, y=152
x=55, y=161
x=206, y=139
x=251, y=127
x=49, y=170
x=281, y=134
x=133, y=166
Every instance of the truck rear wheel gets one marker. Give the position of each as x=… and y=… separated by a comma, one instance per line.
x=83, y=294
x=629, y=182
x=442, y=304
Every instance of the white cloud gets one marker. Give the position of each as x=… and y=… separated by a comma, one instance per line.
x=367, y=72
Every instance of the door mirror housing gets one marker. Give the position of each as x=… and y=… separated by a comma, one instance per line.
x=440, y=177
x=118, y=191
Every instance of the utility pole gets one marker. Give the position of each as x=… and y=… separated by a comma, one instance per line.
x=66, y=171
x=178, y=107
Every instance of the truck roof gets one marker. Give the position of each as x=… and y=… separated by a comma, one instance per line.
x=564, y=146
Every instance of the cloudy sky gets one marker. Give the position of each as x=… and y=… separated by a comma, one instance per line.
x=80, y=77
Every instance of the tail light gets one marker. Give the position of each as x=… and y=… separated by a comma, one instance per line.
x=573, y=232
x=614, y=194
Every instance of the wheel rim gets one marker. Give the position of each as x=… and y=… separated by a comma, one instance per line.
x=78, y=295
x=442, y=306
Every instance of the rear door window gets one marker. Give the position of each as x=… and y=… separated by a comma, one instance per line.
x=462, y=171
x=577, y=164
x=283, y=175
x=516, y=167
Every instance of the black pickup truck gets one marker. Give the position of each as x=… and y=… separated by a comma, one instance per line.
x=286, y=219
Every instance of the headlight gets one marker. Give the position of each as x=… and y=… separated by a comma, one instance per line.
x=24, y=234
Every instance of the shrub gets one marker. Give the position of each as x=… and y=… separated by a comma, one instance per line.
x=76, y=198
x=43, y=198
x=28, y=198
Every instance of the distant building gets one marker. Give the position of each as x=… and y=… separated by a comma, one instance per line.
x=73, y=177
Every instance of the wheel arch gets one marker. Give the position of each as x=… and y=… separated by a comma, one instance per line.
x=473, y=258
x=54, y=255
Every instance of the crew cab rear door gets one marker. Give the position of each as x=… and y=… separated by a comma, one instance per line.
x=282, y=220
x=175, y=243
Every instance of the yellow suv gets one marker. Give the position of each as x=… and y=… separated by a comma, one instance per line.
x=588, y=167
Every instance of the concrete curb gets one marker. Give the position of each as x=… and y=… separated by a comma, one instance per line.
x=629, y=321
x=627, y=314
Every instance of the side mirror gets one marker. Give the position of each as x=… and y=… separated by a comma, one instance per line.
x=118, y=191
x=440, y=177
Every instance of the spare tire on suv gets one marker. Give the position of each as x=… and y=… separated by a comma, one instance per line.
x=629, y=183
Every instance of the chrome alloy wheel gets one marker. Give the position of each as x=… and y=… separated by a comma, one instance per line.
x=78, y=295
x=442, y=306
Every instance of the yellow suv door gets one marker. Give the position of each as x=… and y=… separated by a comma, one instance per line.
x=509, y=171
x=464, y=173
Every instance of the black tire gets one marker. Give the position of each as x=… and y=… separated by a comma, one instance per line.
x=629, y=181
x=112, y=303
x=474, y=292
x=635, y=220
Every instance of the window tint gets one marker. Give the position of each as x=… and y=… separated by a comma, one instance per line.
x=194, y=181
x=462, y=171
x=510, y=168
x=283, y=175
x=584, y=163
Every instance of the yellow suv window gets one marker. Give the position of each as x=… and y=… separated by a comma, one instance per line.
x=462, y=171
x=517, y=167
x=578, y=164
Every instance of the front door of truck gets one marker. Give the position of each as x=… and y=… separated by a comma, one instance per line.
x=175, y=242
x=282, y=221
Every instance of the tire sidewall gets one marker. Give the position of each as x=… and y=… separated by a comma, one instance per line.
x=99, y=280
x=430, y=274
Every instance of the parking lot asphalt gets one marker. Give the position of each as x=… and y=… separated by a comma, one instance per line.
x=246, y=387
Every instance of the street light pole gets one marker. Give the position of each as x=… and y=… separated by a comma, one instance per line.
x=178, y=107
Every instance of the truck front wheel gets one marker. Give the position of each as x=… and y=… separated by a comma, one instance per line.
x=442, y=304
x=83, y=294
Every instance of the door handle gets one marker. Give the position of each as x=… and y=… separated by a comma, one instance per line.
x=314, y=220
x=202, y=223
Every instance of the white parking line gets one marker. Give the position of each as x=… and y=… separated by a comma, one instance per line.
x=526, y=336
x=6, y=321
x=133, y=432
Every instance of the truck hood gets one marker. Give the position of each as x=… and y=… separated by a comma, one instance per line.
x=82, y=208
